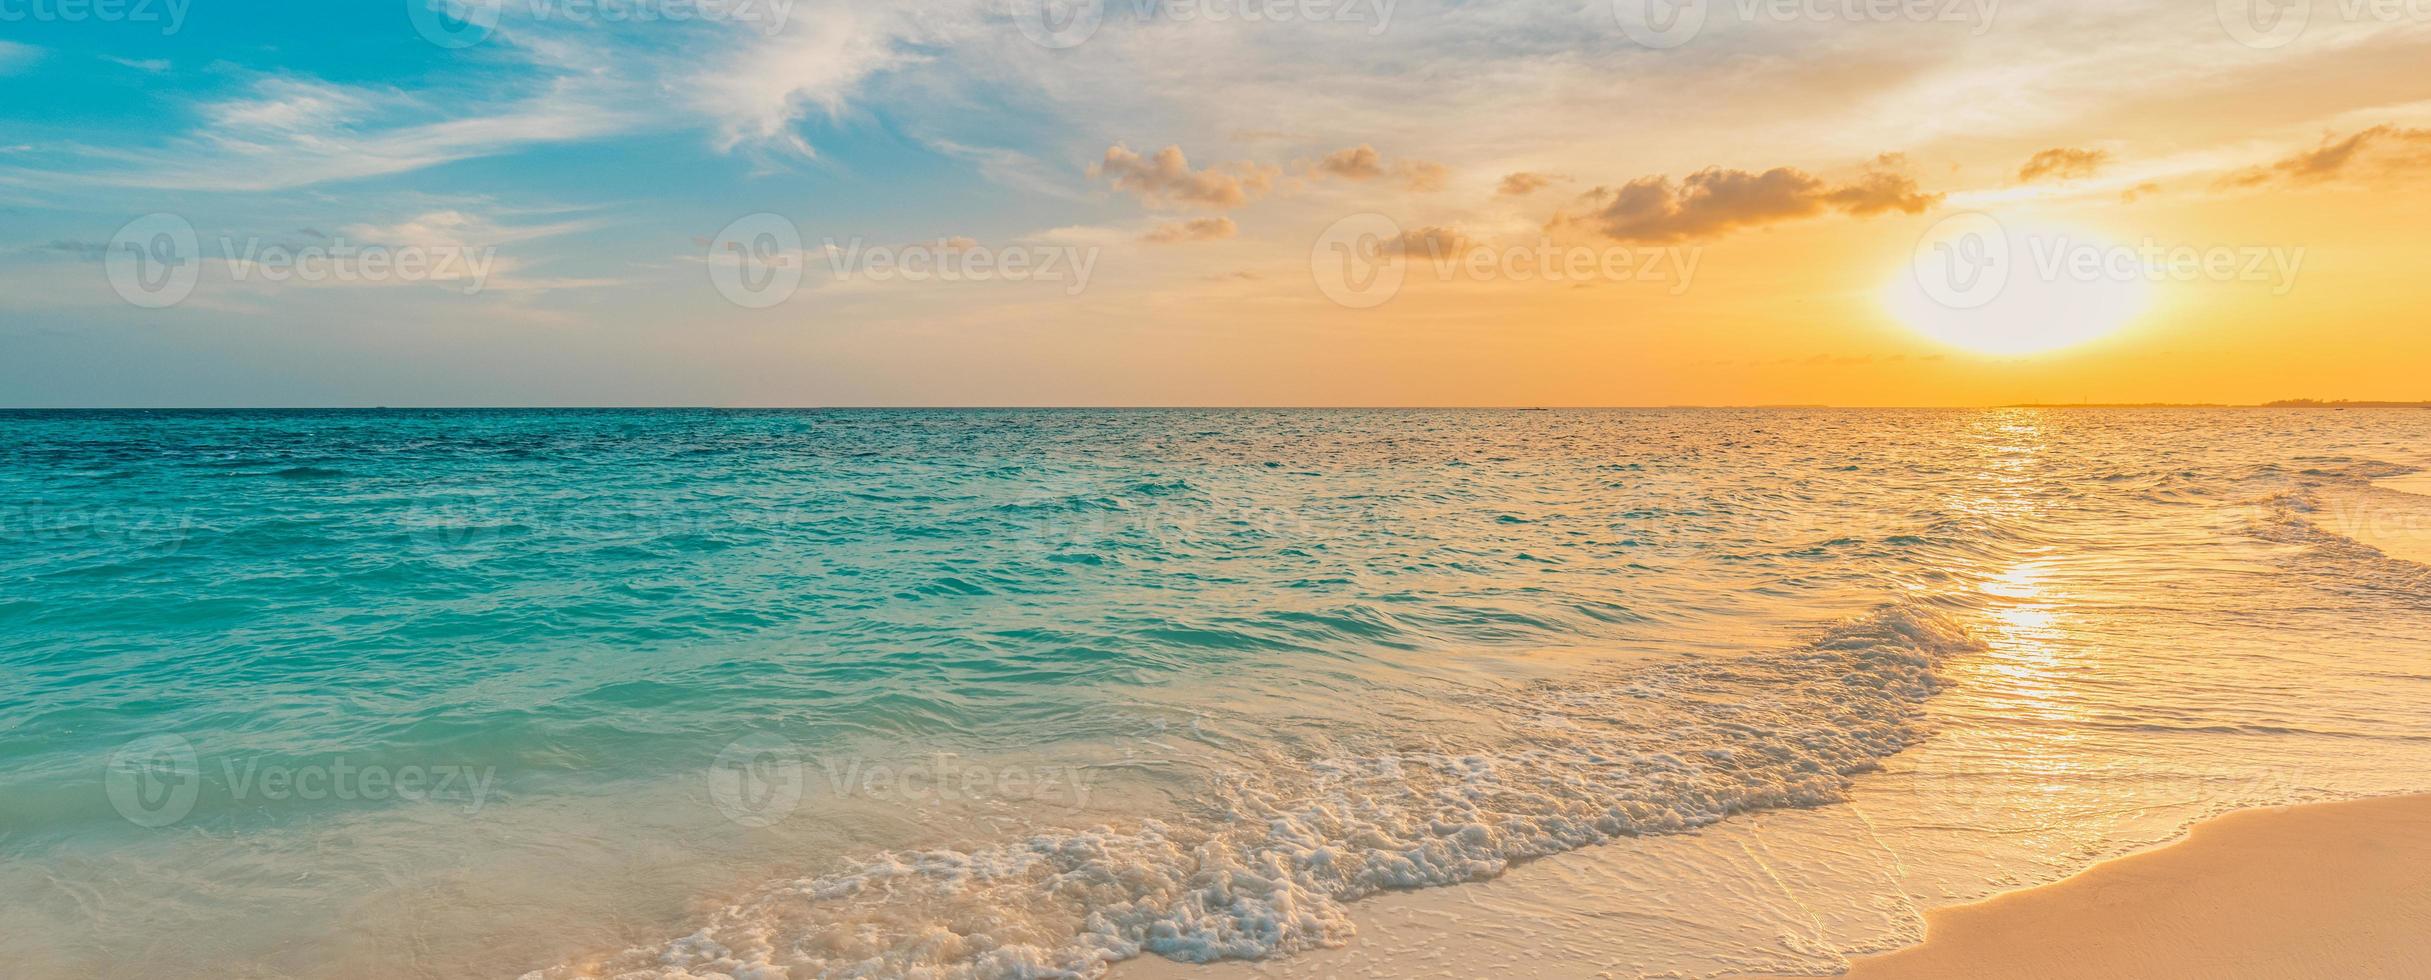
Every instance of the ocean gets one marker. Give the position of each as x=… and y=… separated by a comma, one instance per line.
x=1021, y=693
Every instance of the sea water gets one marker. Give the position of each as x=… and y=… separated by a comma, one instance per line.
x=1032, y=693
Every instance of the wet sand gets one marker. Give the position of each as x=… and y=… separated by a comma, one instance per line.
x=2333, y=890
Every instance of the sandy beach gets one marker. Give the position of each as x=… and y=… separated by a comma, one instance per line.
x=2330, y=890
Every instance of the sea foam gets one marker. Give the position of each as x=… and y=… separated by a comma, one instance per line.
x=1283, y=849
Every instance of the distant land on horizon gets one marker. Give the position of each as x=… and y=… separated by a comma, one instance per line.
x=2282, y=403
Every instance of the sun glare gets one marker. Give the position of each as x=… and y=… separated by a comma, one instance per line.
x=2001, y=286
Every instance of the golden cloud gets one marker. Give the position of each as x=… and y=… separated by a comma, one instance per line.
x=2062, y=163
x=1166, y=179
x=1716, y=201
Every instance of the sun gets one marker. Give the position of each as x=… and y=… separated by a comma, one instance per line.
x=2006, y=286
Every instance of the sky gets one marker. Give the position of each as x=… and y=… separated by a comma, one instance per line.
x=1212, y=202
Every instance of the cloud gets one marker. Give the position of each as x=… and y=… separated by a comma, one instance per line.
x=746, y=83
x=15, y=57
x=1423, y=176
x=478, y=238
x=1078, y=235
x=2139, y=192
x=1193, y=230
x=814, y=62
x=455, y=229
x=1524, y=183
x=1363, y=163
x=154, y=65
x=2382, y=148
x=1432, y=241
x=1360, y=162
x=287, y=132
x=2062, y=163
x=1716, y=201
x=1011, y=168
x=89, y=251
x=284, y=107
x=1166, y=180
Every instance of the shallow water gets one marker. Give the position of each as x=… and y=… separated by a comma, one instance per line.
x=1000, y=693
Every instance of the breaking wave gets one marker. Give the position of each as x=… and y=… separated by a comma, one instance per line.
x=1274, y=857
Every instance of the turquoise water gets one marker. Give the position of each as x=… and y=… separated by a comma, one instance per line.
x=474, y=693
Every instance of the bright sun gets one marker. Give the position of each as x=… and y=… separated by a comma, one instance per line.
x=2002, y=286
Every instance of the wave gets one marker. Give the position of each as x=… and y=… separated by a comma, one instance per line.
x=1272, y=861
x=2298, y=515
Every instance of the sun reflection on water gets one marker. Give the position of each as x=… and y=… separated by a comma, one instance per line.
x=2029, y=670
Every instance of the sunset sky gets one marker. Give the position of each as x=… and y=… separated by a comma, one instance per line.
x=1776, y=173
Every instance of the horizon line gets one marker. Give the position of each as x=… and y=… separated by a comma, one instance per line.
x=2280, y=403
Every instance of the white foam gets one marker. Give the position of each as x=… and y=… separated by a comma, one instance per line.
x=1271, y=869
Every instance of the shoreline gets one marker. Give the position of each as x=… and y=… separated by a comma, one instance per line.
x=2332, y=889
x=2325, y=889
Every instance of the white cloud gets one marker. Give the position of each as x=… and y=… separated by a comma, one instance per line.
x=818, y=62
x=295, y=132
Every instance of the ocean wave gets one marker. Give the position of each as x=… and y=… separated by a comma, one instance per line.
x=1274, y=857
x=2298, y=515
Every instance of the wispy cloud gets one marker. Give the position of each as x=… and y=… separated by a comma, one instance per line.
x=2380, y=149
x=290, y=132
x=16, y=57
x=1193, y=230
